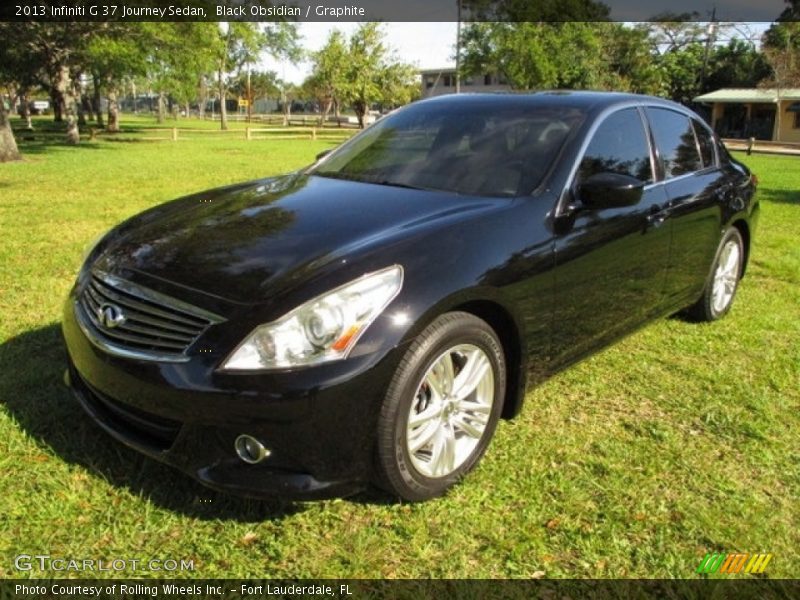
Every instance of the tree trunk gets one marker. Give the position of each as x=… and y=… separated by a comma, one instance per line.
x=287, y=111
x=203, y=103
x=26, y=110
x=326, y=110
x=8, y=145
x=161, y=107
x=361, y=109
x=66, y=91
x=57, y=100
x=113, y=110
x=97, y=104
x=223, y=110
x=79, y=105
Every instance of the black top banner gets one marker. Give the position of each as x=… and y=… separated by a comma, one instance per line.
x=394, y=10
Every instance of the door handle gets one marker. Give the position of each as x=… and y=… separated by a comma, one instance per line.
x=657, y=217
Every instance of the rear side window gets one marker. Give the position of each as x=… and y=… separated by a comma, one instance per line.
x=674, y=138
x=619, y=146
x=705, y=142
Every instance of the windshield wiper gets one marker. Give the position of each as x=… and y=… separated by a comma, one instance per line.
x=375, y=181
x=399, y=184
x=337, y=175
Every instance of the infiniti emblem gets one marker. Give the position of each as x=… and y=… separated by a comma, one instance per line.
x=110, y=316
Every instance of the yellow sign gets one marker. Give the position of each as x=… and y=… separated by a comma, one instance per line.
x=244, y=103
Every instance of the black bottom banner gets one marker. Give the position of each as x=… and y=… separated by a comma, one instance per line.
x=356, y=589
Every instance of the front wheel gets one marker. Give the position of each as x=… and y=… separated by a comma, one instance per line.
x=723, y=281
x=441, y=408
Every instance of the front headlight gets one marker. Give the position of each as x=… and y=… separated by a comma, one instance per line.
x=323, y=329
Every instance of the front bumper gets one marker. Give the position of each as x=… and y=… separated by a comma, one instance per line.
x=318, y=423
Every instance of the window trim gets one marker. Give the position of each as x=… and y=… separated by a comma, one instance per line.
x=714, y=149
x=664, y=176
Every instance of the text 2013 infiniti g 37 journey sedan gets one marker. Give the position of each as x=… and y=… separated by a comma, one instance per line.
x=372, y=317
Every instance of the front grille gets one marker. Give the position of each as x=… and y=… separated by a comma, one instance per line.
x=127, y=319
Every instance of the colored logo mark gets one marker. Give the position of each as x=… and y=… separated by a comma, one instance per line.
x=740, y=562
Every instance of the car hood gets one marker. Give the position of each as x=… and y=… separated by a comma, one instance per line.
x=239, y=242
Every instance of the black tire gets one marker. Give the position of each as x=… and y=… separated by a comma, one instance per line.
x=704, y=309
x=396, y=472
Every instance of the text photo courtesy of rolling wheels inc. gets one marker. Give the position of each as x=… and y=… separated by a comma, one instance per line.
x=474, y=303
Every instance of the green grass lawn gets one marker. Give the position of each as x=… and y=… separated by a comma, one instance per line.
x=680, y=440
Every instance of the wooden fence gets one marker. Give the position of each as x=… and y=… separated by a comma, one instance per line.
x=174, y=134
x=762, y=146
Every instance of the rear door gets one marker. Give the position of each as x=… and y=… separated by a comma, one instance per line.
x=611, y=263
x=695, y=187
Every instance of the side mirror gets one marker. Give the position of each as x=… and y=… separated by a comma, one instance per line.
x=324, y=153
x=610, y=190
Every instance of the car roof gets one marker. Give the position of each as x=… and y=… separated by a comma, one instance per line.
x=589, y=101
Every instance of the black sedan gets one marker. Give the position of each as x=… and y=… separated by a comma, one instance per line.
x=369, y=319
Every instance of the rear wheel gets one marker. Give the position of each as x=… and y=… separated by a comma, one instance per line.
x=723, y=281
x=442, y=407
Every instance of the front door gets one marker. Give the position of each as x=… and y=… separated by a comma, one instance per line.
x=611, y=264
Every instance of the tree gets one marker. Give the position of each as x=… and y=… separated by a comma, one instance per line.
x=114, y=56
x=239, y=44
x=178, y=56
x=629, y=59
x=573, y=55
x=399, y=85
x=673, y=32
x=262, y=84
x=52, y=53
x=784, y=63
x=782, y=33
x=541, y=11
x=737, y=64
x=371, y=66
x=328, y=79
x=16, y=74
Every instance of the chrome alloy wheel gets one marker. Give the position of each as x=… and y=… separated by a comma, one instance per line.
x=726, y=276
x=450, y=410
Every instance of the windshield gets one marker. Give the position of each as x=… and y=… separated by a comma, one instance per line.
x=477, y=149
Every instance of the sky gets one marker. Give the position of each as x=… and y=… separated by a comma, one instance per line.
x=426, y=45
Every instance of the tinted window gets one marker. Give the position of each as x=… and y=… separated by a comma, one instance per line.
x=482, y=149
x=675, y=140
x=620, y=146
x=706, y=143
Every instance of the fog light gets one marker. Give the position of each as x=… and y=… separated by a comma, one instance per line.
x=250, y=450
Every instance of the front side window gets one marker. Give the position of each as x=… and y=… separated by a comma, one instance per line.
x=674, y=138
x=618, y=146
x=476, y=149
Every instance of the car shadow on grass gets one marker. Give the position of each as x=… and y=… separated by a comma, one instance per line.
x=779, y=196
x=34, y=395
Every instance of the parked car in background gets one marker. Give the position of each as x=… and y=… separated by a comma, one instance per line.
x=371, y=318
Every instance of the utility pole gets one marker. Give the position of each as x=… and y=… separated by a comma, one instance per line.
x=711, y=31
